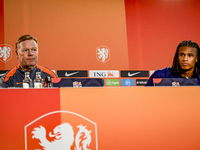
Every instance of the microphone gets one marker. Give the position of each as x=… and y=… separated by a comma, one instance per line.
x=48, y=81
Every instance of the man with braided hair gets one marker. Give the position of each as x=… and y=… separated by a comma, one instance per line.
x=185, y=64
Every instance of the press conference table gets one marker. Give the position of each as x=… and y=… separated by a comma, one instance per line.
x=139, y=118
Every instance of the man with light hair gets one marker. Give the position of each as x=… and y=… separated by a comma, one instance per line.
x=27, y=54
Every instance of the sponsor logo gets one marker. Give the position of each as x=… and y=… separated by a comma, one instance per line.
x=103, y=54
x=141, y=82
x=5, y=53
x=132, y=74
x=48, y=132
x=72, y=73
x=112, y=82
x=127, y=82
x=104, y=73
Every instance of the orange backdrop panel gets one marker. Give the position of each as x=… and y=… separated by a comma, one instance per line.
x=139, y=118
x=70, y=31
x=156, y=27
x=139, y=33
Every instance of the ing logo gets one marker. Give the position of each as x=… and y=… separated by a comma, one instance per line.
x=111, y=74
x=103, y=54
x=5, y=53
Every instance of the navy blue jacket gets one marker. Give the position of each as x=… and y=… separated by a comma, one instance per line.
x=165, y=73
x=15, y=76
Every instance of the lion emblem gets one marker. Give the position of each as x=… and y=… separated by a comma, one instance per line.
x=63, y=137
x=103, y=54
x=5, y=52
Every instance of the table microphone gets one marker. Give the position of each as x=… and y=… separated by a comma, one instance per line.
x=48, y=81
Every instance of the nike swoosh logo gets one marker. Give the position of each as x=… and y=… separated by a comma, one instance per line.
x=130, y=75
x=70, y=74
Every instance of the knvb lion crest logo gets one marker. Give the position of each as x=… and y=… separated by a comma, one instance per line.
x=61, y=130
x=5, y=52
x=103, y=54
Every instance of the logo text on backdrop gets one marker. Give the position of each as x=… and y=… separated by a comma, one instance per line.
x=127, y=82
x=141, y=82
x=104, y=73
x=112, y=82
x=134, y=73
x=72, y=73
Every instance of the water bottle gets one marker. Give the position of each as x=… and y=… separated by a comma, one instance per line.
x=27, y=82
x=38, y=82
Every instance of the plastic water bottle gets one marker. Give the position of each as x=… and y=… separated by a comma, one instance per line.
x=38, y=82
x=27, y=82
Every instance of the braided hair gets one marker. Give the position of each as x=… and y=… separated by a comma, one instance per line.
x=176, y=69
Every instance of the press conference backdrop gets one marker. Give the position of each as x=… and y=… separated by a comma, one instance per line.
x=121, y=41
